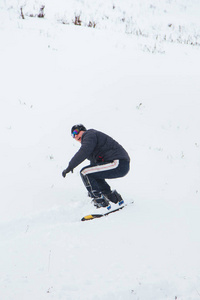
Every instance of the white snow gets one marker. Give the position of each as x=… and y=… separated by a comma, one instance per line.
x=141, y=88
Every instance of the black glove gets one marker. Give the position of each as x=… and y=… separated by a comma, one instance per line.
x=64, y=173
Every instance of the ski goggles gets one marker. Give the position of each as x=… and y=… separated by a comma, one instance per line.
x=75, y=132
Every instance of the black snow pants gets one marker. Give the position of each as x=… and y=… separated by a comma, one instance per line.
x=94, y=176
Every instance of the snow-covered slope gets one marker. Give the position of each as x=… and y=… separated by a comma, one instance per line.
x=55, y=75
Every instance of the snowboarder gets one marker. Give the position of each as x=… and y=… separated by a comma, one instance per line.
x=108, y=159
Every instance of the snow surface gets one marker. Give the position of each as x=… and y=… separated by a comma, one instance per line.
x=142, y=91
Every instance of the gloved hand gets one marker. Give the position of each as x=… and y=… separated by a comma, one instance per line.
x=64, y=173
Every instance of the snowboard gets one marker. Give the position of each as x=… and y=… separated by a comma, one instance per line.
x=95, y=216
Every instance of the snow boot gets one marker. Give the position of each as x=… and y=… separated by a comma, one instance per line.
x=101, y=202
x=115, y=197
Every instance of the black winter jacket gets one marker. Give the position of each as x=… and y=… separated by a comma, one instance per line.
x=98, y=147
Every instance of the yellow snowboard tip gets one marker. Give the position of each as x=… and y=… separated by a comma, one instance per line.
x=89, y=217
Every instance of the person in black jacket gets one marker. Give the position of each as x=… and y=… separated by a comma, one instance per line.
x=108, y=159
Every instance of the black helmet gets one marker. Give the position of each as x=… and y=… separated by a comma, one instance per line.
x=80, y=127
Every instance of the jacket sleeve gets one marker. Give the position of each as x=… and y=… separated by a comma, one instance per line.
x=88, y=144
